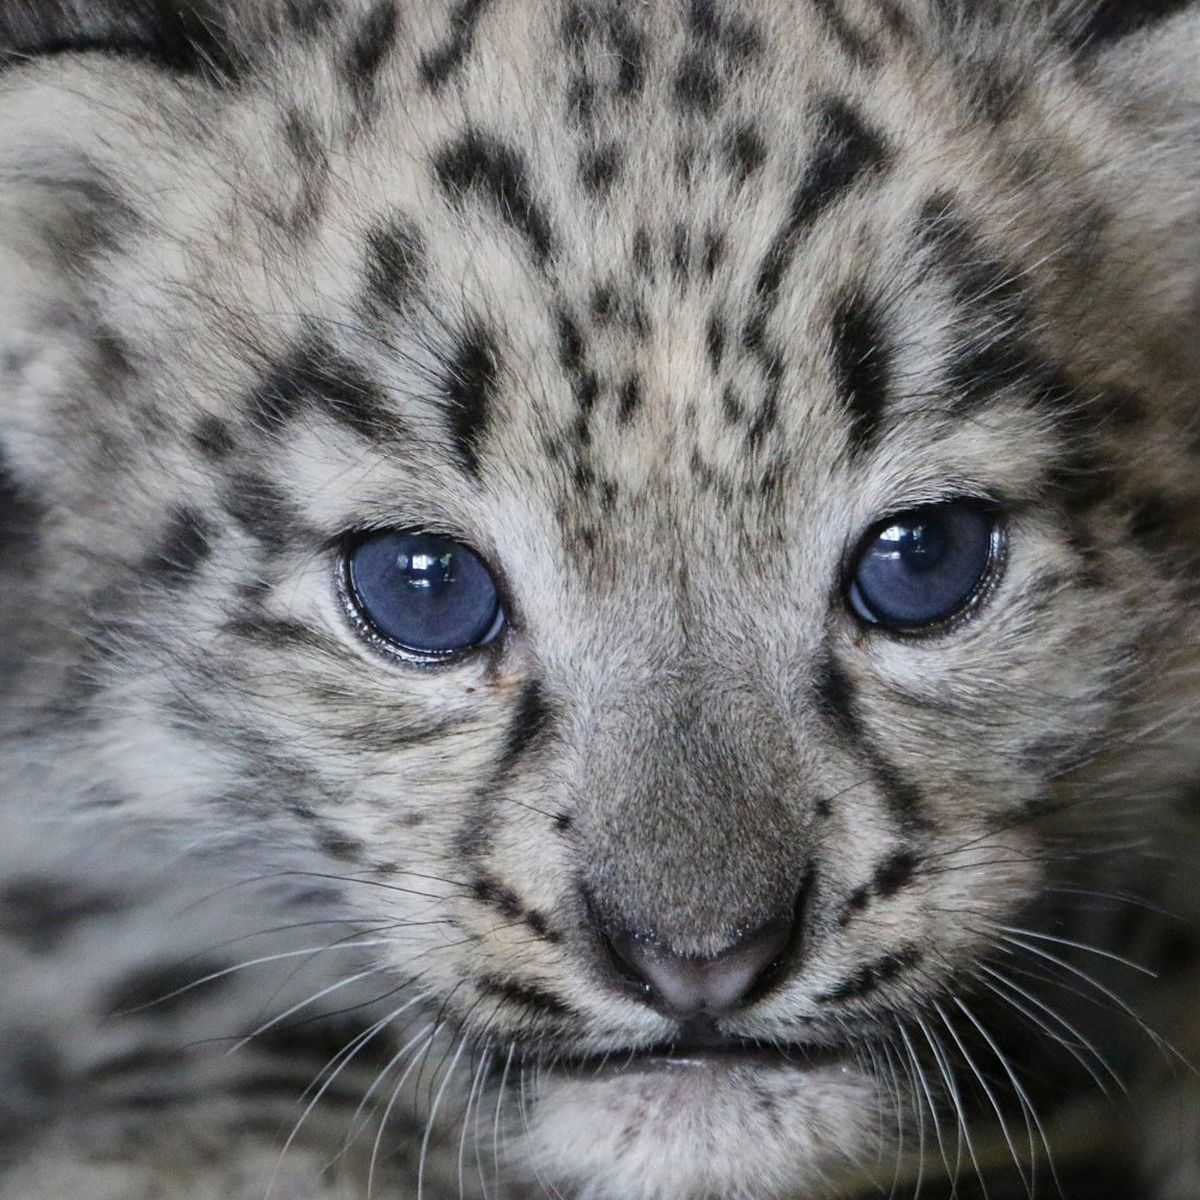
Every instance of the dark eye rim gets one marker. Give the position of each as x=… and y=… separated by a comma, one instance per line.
x=387, y=647
x=989, y=579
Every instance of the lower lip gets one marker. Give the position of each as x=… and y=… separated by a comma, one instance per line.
x=706, y=1060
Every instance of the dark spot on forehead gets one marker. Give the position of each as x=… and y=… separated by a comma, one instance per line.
x=264, y=513
x=894, y=872
x=703, y=19
x=853, y=42
x=437, y=66
x=303, y=139
x=394, y=261
x=681, y=250
x=570, y=343
x=698, y=84
x=732, y=408
x=370, y=46
x=982, y=282
x=861, y=360
x=479, y=164
x=846, y=151
x=714, y=252
x=603, y=302
x=643, y=252
x=598, y=168
x=629, y=399
x=315, y=377
x=745, y=150
x=714, y=341
x=581, y=99
x=469, y=385
x=629, y=46
x=718, y=25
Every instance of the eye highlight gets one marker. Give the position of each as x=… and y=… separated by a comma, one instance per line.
x=428, y=597
x=922, y=567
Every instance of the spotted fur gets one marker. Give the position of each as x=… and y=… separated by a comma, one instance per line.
x=661, y=307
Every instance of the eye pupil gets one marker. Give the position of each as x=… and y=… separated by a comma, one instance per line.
x=923, y=566
x=426, y=594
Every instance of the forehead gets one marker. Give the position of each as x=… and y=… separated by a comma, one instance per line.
x=708, y=266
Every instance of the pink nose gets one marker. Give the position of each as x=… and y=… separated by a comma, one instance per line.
x=685, y=987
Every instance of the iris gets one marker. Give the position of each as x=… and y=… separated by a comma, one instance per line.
x=923, y=566
x=424, y=593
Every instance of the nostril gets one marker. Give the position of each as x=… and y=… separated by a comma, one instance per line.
x=686, y=986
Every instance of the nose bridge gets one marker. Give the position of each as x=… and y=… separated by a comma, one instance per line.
x=689, y=834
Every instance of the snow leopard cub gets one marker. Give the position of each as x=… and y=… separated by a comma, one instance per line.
x=599, y=598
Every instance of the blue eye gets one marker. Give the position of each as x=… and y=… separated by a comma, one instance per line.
x=426, y=594
x=923, y=566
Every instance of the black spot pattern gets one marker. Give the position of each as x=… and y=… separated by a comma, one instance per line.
x=368, y=51
x=262, y=512
x=847, y=151
x=525, y=995
x=213, y=437
x=714, y=342
x=163, y=989
x=613, y=39
x=309, y=17
x=531, y=721
x=40, y=912
x=304, y=139
x=853, y=42
x=697, y=84
x=860, y=367
x=598, y=167
x=995, y=347
x=395, y=256
x=490, y=891
x=183, y=547
x=629, y=399
x=469, y=386
x=873, y=975
x=499, y=896
x=316, y=377
x=480, y=164
x=745, y=150
x=442, y=64
x=894, y=872
x=838, y=703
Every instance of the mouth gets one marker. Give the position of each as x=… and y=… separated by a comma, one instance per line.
x=700, y=1047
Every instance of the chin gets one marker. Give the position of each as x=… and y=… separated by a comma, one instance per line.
x=695, y=1127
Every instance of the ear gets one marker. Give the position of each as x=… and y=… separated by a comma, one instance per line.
x=57, y=208
x=77, y=80
x=1091, y=26
x=190, y=37
x=1146, y=54
x=1144, y=49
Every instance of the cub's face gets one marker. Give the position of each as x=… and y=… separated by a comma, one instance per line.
x=661, y=521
